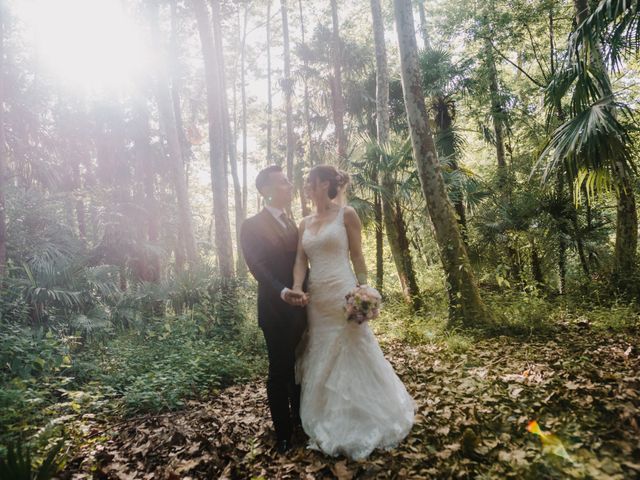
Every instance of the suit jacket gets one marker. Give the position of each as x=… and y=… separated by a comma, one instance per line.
x=270, y=252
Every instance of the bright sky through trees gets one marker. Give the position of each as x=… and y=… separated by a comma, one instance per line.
x=93, y=45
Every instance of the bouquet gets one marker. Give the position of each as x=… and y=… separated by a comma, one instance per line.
x=363, y=303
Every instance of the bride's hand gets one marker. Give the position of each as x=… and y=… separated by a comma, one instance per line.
x=296, y=297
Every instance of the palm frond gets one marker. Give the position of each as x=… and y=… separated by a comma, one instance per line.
x=593, y=140
x=615, y=23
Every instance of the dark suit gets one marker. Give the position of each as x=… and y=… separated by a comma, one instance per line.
x=270, y=252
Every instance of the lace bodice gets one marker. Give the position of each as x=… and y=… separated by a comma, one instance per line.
x=330, y=273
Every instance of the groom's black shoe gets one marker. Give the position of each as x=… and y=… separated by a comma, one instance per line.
x=283, y=446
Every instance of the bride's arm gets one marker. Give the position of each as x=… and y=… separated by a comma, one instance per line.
x=354, y=233
x=301, y=264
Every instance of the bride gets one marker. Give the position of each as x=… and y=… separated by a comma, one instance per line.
x=352, y=402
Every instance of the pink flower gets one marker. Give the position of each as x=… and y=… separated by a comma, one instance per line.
x=362, y=304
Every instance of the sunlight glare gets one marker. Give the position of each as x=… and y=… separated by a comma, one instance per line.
x=91, y=44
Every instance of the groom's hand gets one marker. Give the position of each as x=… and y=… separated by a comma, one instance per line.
x=294, y=297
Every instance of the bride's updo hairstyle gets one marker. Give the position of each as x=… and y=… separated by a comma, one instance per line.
x=337, y=178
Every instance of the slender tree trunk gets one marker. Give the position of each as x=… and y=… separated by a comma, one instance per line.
x=424, y=31
x=4, y=154
x=379, y=220
x=185, y=144
x=336, y=84
x=497, y=111
x=215, y=113
x=269, y=89
x=444, y=121
x=229, y=135
x=392, y=213
x=562, y=243
x=287, y=87
x=150, y=270
x=464, y=296
x=243, y=94
x=168, y=125
x=308, y=158
x=536, y=265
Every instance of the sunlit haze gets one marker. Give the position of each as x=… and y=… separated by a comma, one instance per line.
x=89, y=44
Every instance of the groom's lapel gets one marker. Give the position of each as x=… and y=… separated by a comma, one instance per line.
x=273, y=228
x=276, y=232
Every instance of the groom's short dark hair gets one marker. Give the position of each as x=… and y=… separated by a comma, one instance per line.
x=263, y=180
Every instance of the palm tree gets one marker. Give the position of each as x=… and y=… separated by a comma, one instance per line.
x=593, y=146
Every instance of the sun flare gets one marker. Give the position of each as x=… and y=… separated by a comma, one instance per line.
x=89, y=44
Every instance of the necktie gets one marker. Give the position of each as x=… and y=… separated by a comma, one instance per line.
x=287, y=221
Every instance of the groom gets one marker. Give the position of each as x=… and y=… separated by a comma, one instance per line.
x=269, y=241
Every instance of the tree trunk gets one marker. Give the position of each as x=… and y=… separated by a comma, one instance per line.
x=536, y=265
x=392, y=213
x=4, y=154
x=337, y=99
x=379, y=220
x=444, y=121
x=185, y=144
x=243, y=94
x=149, y=270
x=424, y=31
x=497, y=111
x=626, y=231
x=229, y=135
x=215, y=113
x=464, y=296
x=168, y=124
x=308, y=158
x=269, y=89
x=287, y=87
x=562, y=243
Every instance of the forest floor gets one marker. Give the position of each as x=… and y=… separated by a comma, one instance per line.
x=580, y=383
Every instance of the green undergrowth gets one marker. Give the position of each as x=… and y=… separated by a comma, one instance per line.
x=520, y=314
x=55, y=384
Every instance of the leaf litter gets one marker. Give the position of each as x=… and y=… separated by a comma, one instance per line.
x=473, y=411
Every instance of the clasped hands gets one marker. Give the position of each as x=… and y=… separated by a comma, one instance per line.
x=295, y=297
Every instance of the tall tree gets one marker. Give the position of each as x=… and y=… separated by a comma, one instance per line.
x=592, y=146
x=392, y=213
x=337, y=99
x=269, y=88
x=308, y=158
x=215, y=114
x=627, y=215
x=497, y=110
x=287, y=87
x=424, y=30
x=465, y=303
x=176, y=160
x=243, y=95
x=149, y=263
x=229, y=134
x=4, y=153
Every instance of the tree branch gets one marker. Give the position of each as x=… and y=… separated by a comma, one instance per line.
x=517, y=66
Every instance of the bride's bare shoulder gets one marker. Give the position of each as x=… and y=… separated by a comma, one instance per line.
x=305, y=221
x=350, y=213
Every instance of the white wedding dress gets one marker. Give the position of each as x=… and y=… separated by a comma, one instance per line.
x=352, y=401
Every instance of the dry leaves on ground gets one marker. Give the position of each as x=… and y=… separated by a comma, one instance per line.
x=473, y=410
